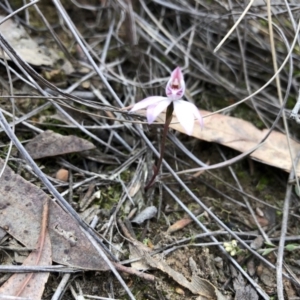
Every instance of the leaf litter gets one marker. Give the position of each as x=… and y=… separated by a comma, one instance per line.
x=242, y=136
x=21, y=206
x=24, y=45
x=49, y=143
x=146, y=214
x=196, y=285
x=32, y=285
x=211, y=75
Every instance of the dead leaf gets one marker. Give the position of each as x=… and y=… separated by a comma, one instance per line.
x=54, y=75
x=243, y=291
x=32, y=285
x=23, y=44
x=257, y=243
x=289, y=289
x=2, y=234
x=251, y=267
x=49, y=143
x=140, y=265
x=266, y=275
x=179, y=291
x=179, y=225
x=100, y=157
x=35, y=288
x=20, y=209
x=146, y=214
x=197, y=285
x=242, y=136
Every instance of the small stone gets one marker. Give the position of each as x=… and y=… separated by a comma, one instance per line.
x=62, y=174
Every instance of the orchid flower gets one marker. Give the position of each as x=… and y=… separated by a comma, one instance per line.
x=186, y=112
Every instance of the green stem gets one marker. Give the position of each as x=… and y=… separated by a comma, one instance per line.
x=163, y=144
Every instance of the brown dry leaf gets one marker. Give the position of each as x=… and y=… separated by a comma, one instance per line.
x=179, y=225
x=23, y=44
x=179, y=291
x=35, y=287
x=140, y=265
x=21, y=205
x=243, y=291
x=289, y=289
x=197, y=285
x=49, y=143
x=266, y=275
x=242, y=136
x=32, y=285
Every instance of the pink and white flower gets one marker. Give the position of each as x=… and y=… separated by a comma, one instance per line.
x=186, y=112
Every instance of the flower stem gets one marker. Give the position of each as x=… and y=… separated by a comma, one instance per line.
x=169, y=113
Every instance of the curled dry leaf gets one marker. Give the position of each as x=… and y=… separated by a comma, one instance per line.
x=49, y=143
x=179, y=225
x=148, y=213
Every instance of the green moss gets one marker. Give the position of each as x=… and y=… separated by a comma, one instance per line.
x=110, y=196
x=268, y=197
x=263, y=183
x=126, y=175
x=263, y=23
x=242, y=174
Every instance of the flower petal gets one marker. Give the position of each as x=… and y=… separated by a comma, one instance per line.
x=155, y=109
x=186, y=112
x=198, y=115
x=176, y=86
x=146, y=102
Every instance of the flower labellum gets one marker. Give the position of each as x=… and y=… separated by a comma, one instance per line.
x=185, y=111
x=176, y=86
